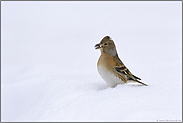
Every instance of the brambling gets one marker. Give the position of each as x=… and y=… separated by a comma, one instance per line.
x=110, y=67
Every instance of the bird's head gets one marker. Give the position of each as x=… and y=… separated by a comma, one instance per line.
x=107, y=45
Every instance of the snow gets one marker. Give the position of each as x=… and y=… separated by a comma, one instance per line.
x=49, y=64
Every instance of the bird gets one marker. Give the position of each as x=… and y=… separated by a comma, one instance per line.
x=110, y=67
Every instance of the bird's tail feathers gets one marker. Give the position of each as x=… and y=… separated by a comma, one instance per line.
x=136, y=77
x=141, y=82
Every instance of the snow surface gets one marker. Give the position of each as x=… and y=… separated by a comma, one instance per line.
x=49, y=64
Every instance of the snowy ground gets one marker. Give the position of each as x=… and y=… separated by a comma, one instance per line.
x=48, y=61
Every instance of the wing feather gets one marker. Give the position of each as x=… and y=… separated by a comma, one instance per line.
x=122, y=69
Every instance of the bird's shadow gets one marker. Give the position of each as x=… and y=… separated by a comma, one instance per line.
x=102, y=87
x=105, y=86
x=134, y=84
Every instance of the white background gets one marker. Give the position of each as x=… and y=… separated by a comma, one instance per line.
x=48, y=61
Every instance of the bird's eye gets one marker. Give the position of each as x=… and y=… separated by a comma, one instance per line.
x=105, y=44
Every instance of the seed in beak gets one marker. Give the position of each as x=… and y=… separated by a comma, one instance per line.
x=97, y=46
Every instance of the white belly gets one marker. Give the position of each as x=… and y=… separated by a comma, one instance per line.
x=109, y=78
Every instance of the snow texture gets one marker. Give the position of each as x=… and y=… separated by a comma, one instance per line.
x=49, y=64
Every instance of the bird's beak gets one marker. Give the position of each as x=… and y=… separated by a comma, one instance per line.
x=97, y=46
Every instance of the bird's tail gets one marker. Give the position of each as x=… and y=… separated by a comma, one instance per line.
x=141, y=82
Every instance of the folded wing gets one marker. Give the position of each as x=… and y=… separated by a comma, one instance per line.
x=121, y=69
